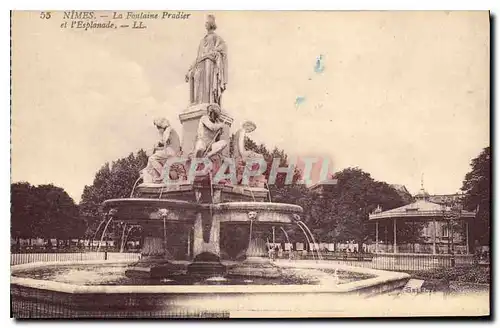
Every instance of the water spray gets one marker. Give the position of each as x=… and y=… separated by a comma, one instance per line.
x=135, y=184
x=111, y=215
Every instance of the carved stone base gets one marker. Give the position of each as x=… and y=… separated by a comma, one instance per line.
x=257, y=263
x=206, y=264
x=256, y=248
x=154, y=247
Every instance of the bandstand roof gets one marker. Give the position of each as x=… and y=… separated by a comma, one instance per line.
x=421, y=209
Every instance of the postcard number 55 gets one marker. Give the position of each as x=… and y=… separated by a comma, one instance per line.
x=45, y=15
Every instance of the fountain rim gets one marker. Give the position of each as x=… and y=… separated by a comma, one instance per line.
x=180, y=204
x=381, y=277
x=249, y=206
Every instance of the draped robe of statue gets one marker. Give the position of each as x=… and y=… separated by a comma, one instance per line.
x=208, y=75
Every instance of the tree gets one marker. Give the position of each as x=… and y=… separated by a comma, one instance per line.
x=58, y=213
x=476, y=186
x=341, y=214
x=114, y=180
x=93, y=195
x=22, y=220
x=45, y=211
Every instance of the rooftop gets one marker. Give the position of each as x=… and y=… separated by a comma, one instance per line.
x=422, y=208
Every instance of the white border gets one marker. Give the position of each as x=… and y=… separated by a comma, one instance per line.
x=256, y=5
x=492, y=5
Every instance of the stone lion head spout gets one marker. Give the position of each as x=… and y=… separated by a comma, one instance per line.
x=252, y=215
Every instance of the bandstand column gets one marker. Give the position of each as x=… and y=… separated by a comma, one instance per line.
x=395, y=242
x=434, y=237
x=413, y=235
x=376, y=237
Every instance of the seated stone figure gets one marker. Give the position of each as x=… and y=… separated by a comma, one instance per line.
x=167, y=146
x=208, y=142
x=242, y=156
x=239, y=142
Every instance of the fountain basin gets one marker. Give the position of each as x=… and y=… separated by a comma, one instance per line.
x=178, y=226
x=57, y=299
x=145, y=209
x=137, y=210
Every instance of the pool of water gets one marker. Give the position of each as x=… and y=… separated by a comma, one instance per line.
x=114, y=274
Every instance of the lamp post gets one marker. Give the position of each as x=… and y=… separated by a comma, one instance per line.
x=455, y=212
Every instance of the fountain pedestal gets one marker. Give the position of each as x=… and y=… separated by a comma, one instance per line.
x=155, y=260
x=154, y=246
x=257, y=263
x=206, y=245
x=206, y=234
x=206, y=264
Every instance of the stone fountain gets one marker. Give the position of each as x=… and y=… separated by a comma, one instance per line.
x=183, y=198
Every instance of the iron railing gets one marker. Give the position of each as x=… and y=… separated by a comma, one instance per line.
x=387, y=261
x=22, y=258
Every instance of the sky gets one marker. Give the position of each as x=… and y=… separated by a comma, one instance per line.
x=401, y=94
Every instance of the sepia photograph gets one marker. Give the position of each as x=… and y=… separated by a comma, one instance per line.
x=173, y=164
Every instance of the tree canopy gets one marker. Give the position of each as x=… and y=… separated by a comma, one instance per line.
x=477, y=189
x=112, y=180
x=341, y=213
x=43, y=211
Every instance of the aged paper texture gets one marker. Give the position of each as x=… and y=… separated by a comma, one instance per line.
x=243, y=164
